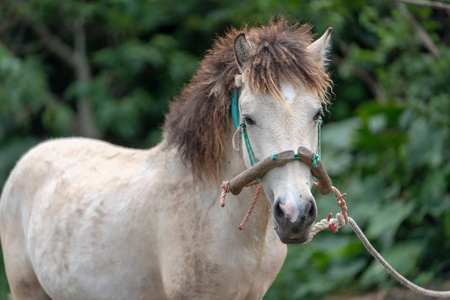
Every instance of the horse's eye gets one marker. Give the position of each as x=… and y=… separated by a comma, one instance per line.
x=319, y=114
x=248, y=120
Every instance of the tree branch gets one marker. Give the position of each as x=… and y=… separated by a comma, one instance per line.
x=54, y=44
x=428, y=42
x=81, y=61
x=77, y=59
x=367, y=79
x=432, y=4
x=86, y=124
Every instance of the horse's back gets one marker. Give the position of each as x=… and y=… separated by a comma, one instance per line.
x=48, y=168
x=66, y=202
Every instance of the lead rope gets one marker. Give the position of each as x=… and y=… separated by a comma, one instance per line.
x=412, y=286
x=342, y=219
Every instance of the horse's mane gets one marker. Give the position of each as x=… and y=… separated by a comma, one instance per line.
x=199, y=119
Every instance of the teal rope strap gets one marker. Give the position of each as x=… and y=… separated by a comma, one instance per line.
x=316, y=157
x=235, y=107
x=251, y=156
x=319, y=133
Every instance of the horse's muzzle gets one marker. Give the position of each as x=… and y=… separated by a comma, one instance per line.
x=294, y=219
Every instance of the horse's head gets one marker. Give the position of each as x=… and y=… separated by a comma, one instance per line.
x=280, y=105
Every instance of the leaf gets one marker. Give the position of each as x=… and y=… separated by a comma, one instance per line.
x=388, y=218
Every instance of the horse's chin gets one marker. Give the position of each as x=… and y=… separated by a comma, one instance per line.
x=296, y=240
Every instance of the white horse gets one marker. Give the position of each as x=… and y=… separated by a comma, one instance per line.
x=84, y=219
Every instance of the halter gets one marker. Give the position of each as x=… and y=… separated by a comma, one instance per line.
x=251, y=156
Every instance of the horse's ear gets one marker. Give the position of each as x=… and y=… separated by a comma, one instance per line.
x=320, y=47
x=242, y=50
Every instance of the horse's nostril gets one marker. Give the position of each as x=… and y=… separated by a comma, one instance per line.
x=308, y=208
x=279, y=212
x=311, y=210
x=277, y=208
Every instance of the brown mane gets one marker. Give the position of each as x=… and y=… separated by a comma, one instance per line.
x=198, y=120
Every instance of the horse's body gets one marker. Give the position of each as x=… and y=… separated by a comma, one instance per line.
x=83, y=219
x=75, y=222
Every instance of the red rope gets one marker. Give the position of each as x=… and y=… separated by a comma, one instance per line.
x=251, y=207
x=226, y=189
x=341, y=202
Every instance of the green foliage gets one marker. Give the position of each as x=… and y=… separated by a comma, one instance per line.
x=385, y=143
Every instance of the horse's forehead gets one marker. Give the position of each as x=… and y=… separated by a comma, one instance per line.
x=294, y=96
x=290, y=93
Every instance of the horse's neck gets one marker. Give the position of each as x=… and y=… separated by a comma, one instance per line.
x=256, y=248
x=238, y=205
x=205, y=197
x=194, y=222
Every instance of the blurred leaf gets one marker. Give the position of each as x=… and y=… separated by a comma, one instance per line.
x=10, y=153
x=402, y=257
x=388, y=218
x=58, y=119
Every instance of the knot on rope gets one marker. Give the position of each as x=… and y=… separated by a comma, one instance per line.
x=333, y=223
x=341, y=220
x=315, y=159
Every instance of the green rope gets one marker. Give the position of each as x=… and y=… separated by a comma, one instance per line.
x=319, y=132
x=315, y=159
x=235, y=107
x=251, y=156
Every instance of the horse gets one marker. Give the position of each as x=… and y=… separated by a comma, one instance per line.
x=84, y=219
